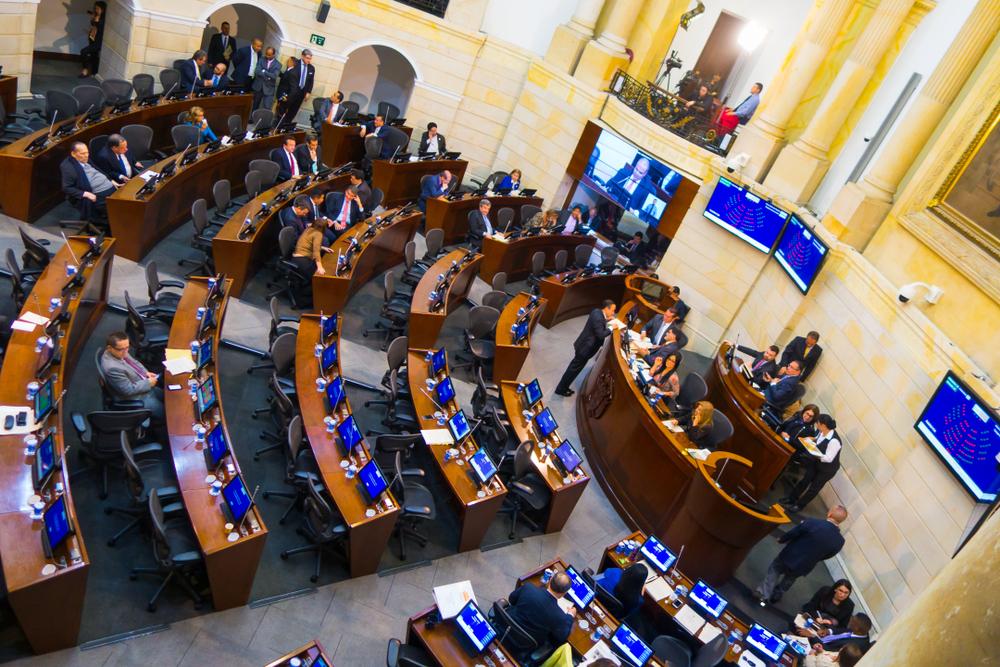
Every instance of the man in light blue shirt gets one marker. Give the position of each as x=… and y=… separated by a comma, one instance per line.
x=745, y=110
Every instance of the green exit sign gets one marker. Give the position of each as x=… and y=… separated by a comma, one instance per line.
x=318, y=40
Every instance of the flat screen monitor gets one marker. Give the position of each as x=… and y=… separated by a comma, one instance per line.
x=335, y=393
x=237, y=499
x=44, y=400
x=708, y=600
x=567, y=456
x=349, y=433
x=45, y=461
x=765, y=642
x=445, y=391
x=521, y=330
x=372, y=481
x=800, y=253
x=545, y=423
x=328, y=359
x=438, y=361
x=532, y=393
x=57, y=525
x=329, y=325
x=206, y=396
x=207, y=321
x=216, y=446
x=474, y=627
x=963, y=431
x=204, y=353
x=482, y=465
x=459, y=426
x=657, y=554
x=741, y=212
x=579, y=592
x=628, y=645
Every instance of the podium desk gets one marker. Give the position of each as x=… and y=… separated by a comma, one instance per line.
x=566, y=489
x=48, y=606
x=368, y=535
x=452, y=216
x=343, y=143
x=231, y=564
x=400, y=181
x=440, y=640
x=580, y=295
x=752, y=437
x=476, y=507
x=8, y=93
x=142, y=220
x=513, y=255
x=376, y=252
x=312, y=654
x=510, y=356
x=32, y=183
x=427, y=317
x=239, y=252
x=651, y=296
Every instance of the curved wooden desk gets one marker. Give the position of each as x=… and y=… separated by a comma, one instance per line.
x=48, y=607
x=240, y=258
x=752, y=437
x=514, y=255
x=566, y=491
x=651, y=296
x=453, y=216
x=400, y=181
x=510, y=356
x=231, y=565
x=343, y=143
x=369, y=535
x=580, y=296
x=475, y=513
x=376, y=254
x=310, y=654
x=440, y=641
x=425, y=324
x=32, y=185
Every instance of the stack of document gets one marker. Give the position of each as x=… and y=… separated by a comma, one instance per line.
x=178, y=361
x=689, y=619
x=437, y=436
x=597, y=651
x=659, y=588
x=451, y=598
x=28, y=321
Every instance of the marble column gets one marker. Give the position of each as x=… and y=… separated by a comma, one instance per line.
x=860, y=207
x=601, y=57
x=570, y=38
x=801, y=166
x=17, y=42
x=763, y=136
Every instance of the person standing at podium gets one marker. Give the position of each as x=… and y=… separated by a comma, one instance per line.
x=587, y=343
x=806, y=545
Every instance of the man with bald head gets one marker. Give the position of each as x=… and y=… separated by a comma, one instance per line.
x=537, y=610
x=631, y=185
x=84, y=185
x=806, y=545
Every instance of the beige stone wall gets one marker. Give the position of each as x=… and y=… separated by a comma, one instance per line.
x=17, y=36
x=117, y=35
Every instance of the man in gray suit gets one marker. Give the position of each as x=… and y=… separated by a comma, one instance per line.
x=265, y=80
x=129, y=379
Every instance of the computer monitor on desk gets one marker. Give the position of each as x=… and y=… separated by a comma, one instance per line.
x=349, y=433
x=373, y=483
x=765, y=643
x=329, y=325
x=629, y=646
x=445, y=391
x=579, y=592
x=334, y=393
x=45, y=462
x=204, y=354
x=707, y=599
x=57, y=526
x=532, y=393
x=567, y=458
x=206, y=397
x=438, y=360
x=474, y=631
x=216, y=447
x=482, y=467
x=328, y=359
x=458, y=425
x=545, y=423
x=658, y=555
x=237, y=500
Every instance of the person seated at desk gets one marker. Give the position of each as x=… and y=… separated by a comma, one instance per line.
x=377, y=128
x=84, y=185
x=681, y=308
x=479, y=224
x=665, y=382
x=672, y=344
x=115, y=160
x=288, y=165
x=656, y=326
x=196, y=117
x=574, y=223
x=697, y=424
x=343, y=210
x=819, y=469
x=364, y=190
x=308, y=253
x=634, y=246
x=331, y=110
x=855, y=634
x=780, y=391
x=829, y=607
x=192, y=72
x=308, y=155
x=631, y=185
x=432, y=141
x=543, y=220
x=128, y=379
x=626, y=585
x=436, y=187
x=848, y=656
x=699, y=108
x=297, y=215
x=218, y=81
x=763, y=368
x=806, y=351
x=537, y=610
x=511, y=181
x=800, y=425
x=317, y=199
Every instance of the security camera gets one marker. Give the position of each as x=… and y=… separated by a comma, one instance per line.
x=907, y=292
x=737, y=162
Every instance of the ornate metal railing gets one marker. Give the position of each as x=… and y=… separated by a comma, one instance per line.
x=435, y=7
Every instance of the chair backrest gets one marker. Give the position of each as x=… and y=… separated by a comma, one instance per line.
x=528, y=211
x=235, y=124
x=283, y=353
x=388, y=286
x=133, y=476
x=582, y=255
x=537, y=263
x=262, y=118
x=409, y=254
x=97, y=143
x=152, y=281
x=693, y=389
x=609, y=600
x=319, y=514
x=294, y=441
x=712, y=653
x=397, y=139
x=351, y=109
x=609, y=255
x=359, y=99
x=17, y=289
x=505, y=217
x=396, y=353
x=482, y=320
x=376, y=199
x=161, y=547
x=35, y=255
x=135, y=326
x=252, y=182
x=317, y=103
x=286, y=241
x=139, y=138
x=282, y=408
x=672, y=651
x=102, y=381
x=106, y=427
x=184, y=136
x=493, y=180
x=88, y=97
x=222, y=194
x=495, y=299
x=433, y=239
x=143, y=84
x=117, y=91
x=169, y=79
x=512, y=635
x=562, y=257
x=523, y=464
x=179, y=63
x=64, y=103
x=389, y=111
x=199, y=215
x=373, y=147
x=268, y=172
x=499, y=282
x=182, y=116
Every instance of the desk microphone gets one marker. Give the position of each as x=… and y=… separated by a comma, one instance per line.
x=428, y=395
x=722, y=469
x=83, y=116
x=55, y=114
x=76, y=259
x=253, y=496
x=678, y=560
x=166, y=95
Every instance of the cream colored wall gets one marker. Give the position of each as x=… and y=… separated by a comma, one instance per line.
x=17, y=36
x=117, y=34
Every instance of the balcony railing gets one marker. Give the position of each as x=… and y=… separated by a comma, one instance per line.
x=667, y=110
x=435, y=7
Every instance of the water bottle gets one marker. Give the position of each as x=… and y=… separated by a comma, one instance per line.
x=320, y=383
x=54, y=304
x=330, y=423
x=195, y=348
x=547, y=575
x=199, y=433
x=41, y=342
x=318, y=350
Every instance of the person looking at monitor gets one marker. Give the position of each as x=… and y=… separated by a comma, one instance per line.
x=587, y=344
x=819, y=469
x=308, y=253
x=196, y=117
x=116, y=161
x=626, y=585
x=537, y=610
x=848, y=656
x=697, y=424
x=127, y=378
x=829, y=607
x=806, y=545
x=511, y=181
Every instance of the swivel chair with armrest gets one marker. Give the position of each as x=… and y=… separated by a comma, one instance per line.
x=301, y=469
x=527, y=491
x=142, y=477
x=100, y=444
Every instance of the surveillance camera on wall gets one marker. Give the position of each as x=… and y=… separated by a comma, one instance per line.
x=907, y=292
x=737, y=162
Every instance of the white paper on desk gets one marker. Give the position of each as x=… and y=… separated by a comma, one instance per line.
x=597, y=651
x=500, y=237
x=615, y=323
x=437, y=436
x=708, y=633
x=179, y=365
x=659, y=588
x=689, y=619
x=34, y=318
x=148, y=174
x=672, y=426
x=699, y=454
x=225, y=140
x=450, y=598
x=21, y=325
x=566, y=605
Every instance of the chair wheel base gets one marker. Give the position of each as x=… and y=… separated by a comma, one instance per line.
x=151, y=608
x=284, y=555
x=314, y=578
x=112, y=543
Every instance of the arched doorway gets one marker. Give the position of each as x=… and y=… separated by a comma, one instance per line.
x=377, y=73
x=246, y=22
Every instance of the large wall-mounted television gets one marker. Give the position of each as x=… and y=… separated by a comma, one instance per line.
x=963, y=431
x=800, y=253
x=750, y=217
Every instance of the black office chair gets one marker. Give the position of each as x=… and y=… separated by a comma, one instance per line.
x=177, y=554
x=301, y=469
x=398, y=654
x=57, y=101
x=775, y=412
x=352, y=110
x=14, y=126
x=100, y=444
x=527, y=491
x=140, y=479
x=293, y=283
x=537, y=271
x=479, y=338
x=376, y=199
x=21, y=283
x=268, y=172
x=721, y=431
x=671, y=651
x=169, y=80
x=399, y=412
x=416, y=504
x=252, y=185
x=162, y=302
x=505, y=219
x=604, y=595
x=433, y=242
x=222, y=196
x=96, y=144
x=88, y=97
x=280, y=324
x=396, y=356
x=140, y=143
x=35, y=257
x=201, y=241
x=528, y=211
x=514, y=638
x=147, y=336
x=322, y=526
x=412, y=272
x=388, y=111
x=394, y=315
x=281, y=354
x=712, y=653
x=117, y=91
x=282, y=410
x=144, y=85
x=490, y=182
x=184, y=137
x=388, y=444
x=560, y=261
x=582, y=255
x=485, y=397
x=693, y=389
x=496, y=299
x=108, y=398
x=609, y=255
x=262, y=119
x=235, y=124
x=499, y=282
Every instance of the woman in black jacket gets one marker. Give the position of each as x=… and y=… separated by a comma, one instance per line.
x=95, y=38
x=831, y=606
x=800, y=425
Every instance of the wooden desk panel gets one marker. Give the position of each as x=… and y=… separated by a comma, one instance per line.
x=510, y=356
x=32, y=183
x=343, y=143
x=377, y=254
x=425, y=324
x=514, y=256
x=240, y=258
x=140, y=223
x=8, y=93
x=453, y=216
x=369, y=536
x=400, y=181
x=566, y=491
x=475, y=513
x=231, y=565
x=308, y=654
x=648, y=305
x=443, y=645
x=579, y=297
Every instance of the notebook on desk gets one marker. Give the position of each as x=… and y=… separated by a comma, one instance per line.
x=659, y=588
x=689, y=619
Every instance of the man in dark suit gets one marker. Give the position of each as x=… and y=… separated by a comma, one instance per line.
x=479, y=224
x=299, y=82
x=331, y=110
x=781, y=390
x=193, y=72
x=434, y=187
x=656, y=326
x=537, y=610
x=217, y=80
x=587, y=344
x=305, y=153
x=288, y=166
x=86, y=186
x=432, y=141
x=806, y=351
x=806, y=545
x=364, y=190
x=296, y=216
x=265, y=80
x=377, y=128
x=763, y=368
x=221, y=47
x=245, y=62
x=674, y=341
x=856, y=633
x=631, y=185
x=317, y=208
x=682, y=308
x=116, y=161
x=344, y=211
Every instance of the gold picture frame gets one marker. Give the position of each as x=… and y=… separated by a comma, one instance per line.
x=971, y=191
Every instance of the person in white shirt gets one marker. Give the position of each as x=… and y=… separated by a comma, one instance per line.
x=848, y=656
x=819, y=469
x=574, y=221
x=432, y=141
